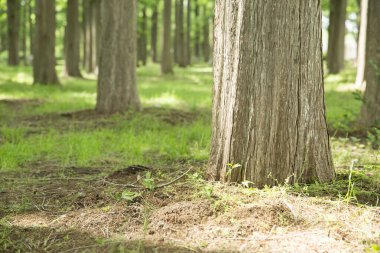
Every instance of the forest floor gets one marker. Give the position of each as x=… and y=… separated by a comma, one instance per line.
x=72, y=180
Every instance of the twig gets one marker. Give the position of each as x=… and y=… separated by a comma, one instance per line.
x=173, y=181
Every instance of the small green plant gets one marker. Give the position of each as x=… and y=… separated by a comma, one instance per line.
x=207, y=191
x=350, y=195
x=148, y=181
x=374, y=137
x=129, y=195
x=231, y=167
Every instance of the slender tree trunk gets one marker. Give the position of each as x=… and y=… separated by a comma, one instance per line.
x=370, y=111
x=188, y=33
x=31, y=28
x=13, y=16
x=166, y=58
x=72, y=41
x=89, y=34
x=117, y=88
x=176, y=31
x=206, y=35
x=337, y=31
x=180, y=35
x=154, y=32
x=197, y=46
x=142, y=46
x=274, y=126
x=44, y=59
x=362, y=44
x=94, y=23
x=24, y=34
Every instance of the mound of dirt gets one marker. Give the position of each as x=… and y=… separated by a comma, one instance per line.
x=181, y=214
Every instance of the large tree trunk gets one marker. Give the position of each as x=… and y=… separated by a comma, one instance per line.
x=370, y=111
x=337, y=32
x=166, y=58
x=273, y=125
x=154, y=32
x=72, y=41
x=117, y=88
x=361, y=44
x=206, y=35
x=13, y=16
x=44, y=58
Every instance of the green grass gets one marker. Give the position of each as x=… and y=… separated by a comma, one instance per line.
x=175, y=128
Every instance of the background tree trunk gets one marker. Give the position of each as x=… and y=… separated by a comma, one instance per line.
x=197, y=46
x=337, y=31
x=370, y=111
x=154, y=32
x=166, y=58
x=188, y=33
x=117, y=88
x=206, y=35
x=273, y=125
x=24, y=23
x=180, y=35
x=13, y=16
x=72, y=41
x=362, y=44
x=142, y=38
x=90, y=24
x=44, y=58
x=31, y=28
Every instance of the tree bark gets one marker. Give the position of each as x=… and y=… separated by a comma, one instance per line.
x=72, y=41
x=154, y=32
x=370, y=111
x=117, y=88
x=206, y=35
x=273, y=125
x=13, y=17
x=44, y=58
x=166, y=58
x=337, y=31
x=362, y=44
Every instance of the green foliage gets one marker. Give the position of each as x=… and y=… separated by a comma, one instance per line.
x=148, y=181
x=129, y=196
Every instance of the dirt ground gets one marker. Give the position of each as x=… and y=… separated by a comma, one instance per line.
x=79, y=213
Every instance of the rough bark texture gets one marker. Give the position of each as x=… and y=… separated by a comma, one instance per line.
x=117, y=88
x=362, y=44
x=206, y=35
x=44, y=57
x=370, y=111
x=337, y=31
x=268, y=105
x=72, y=42
x=154, y=32
x=13, y=17
x=166, y=58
